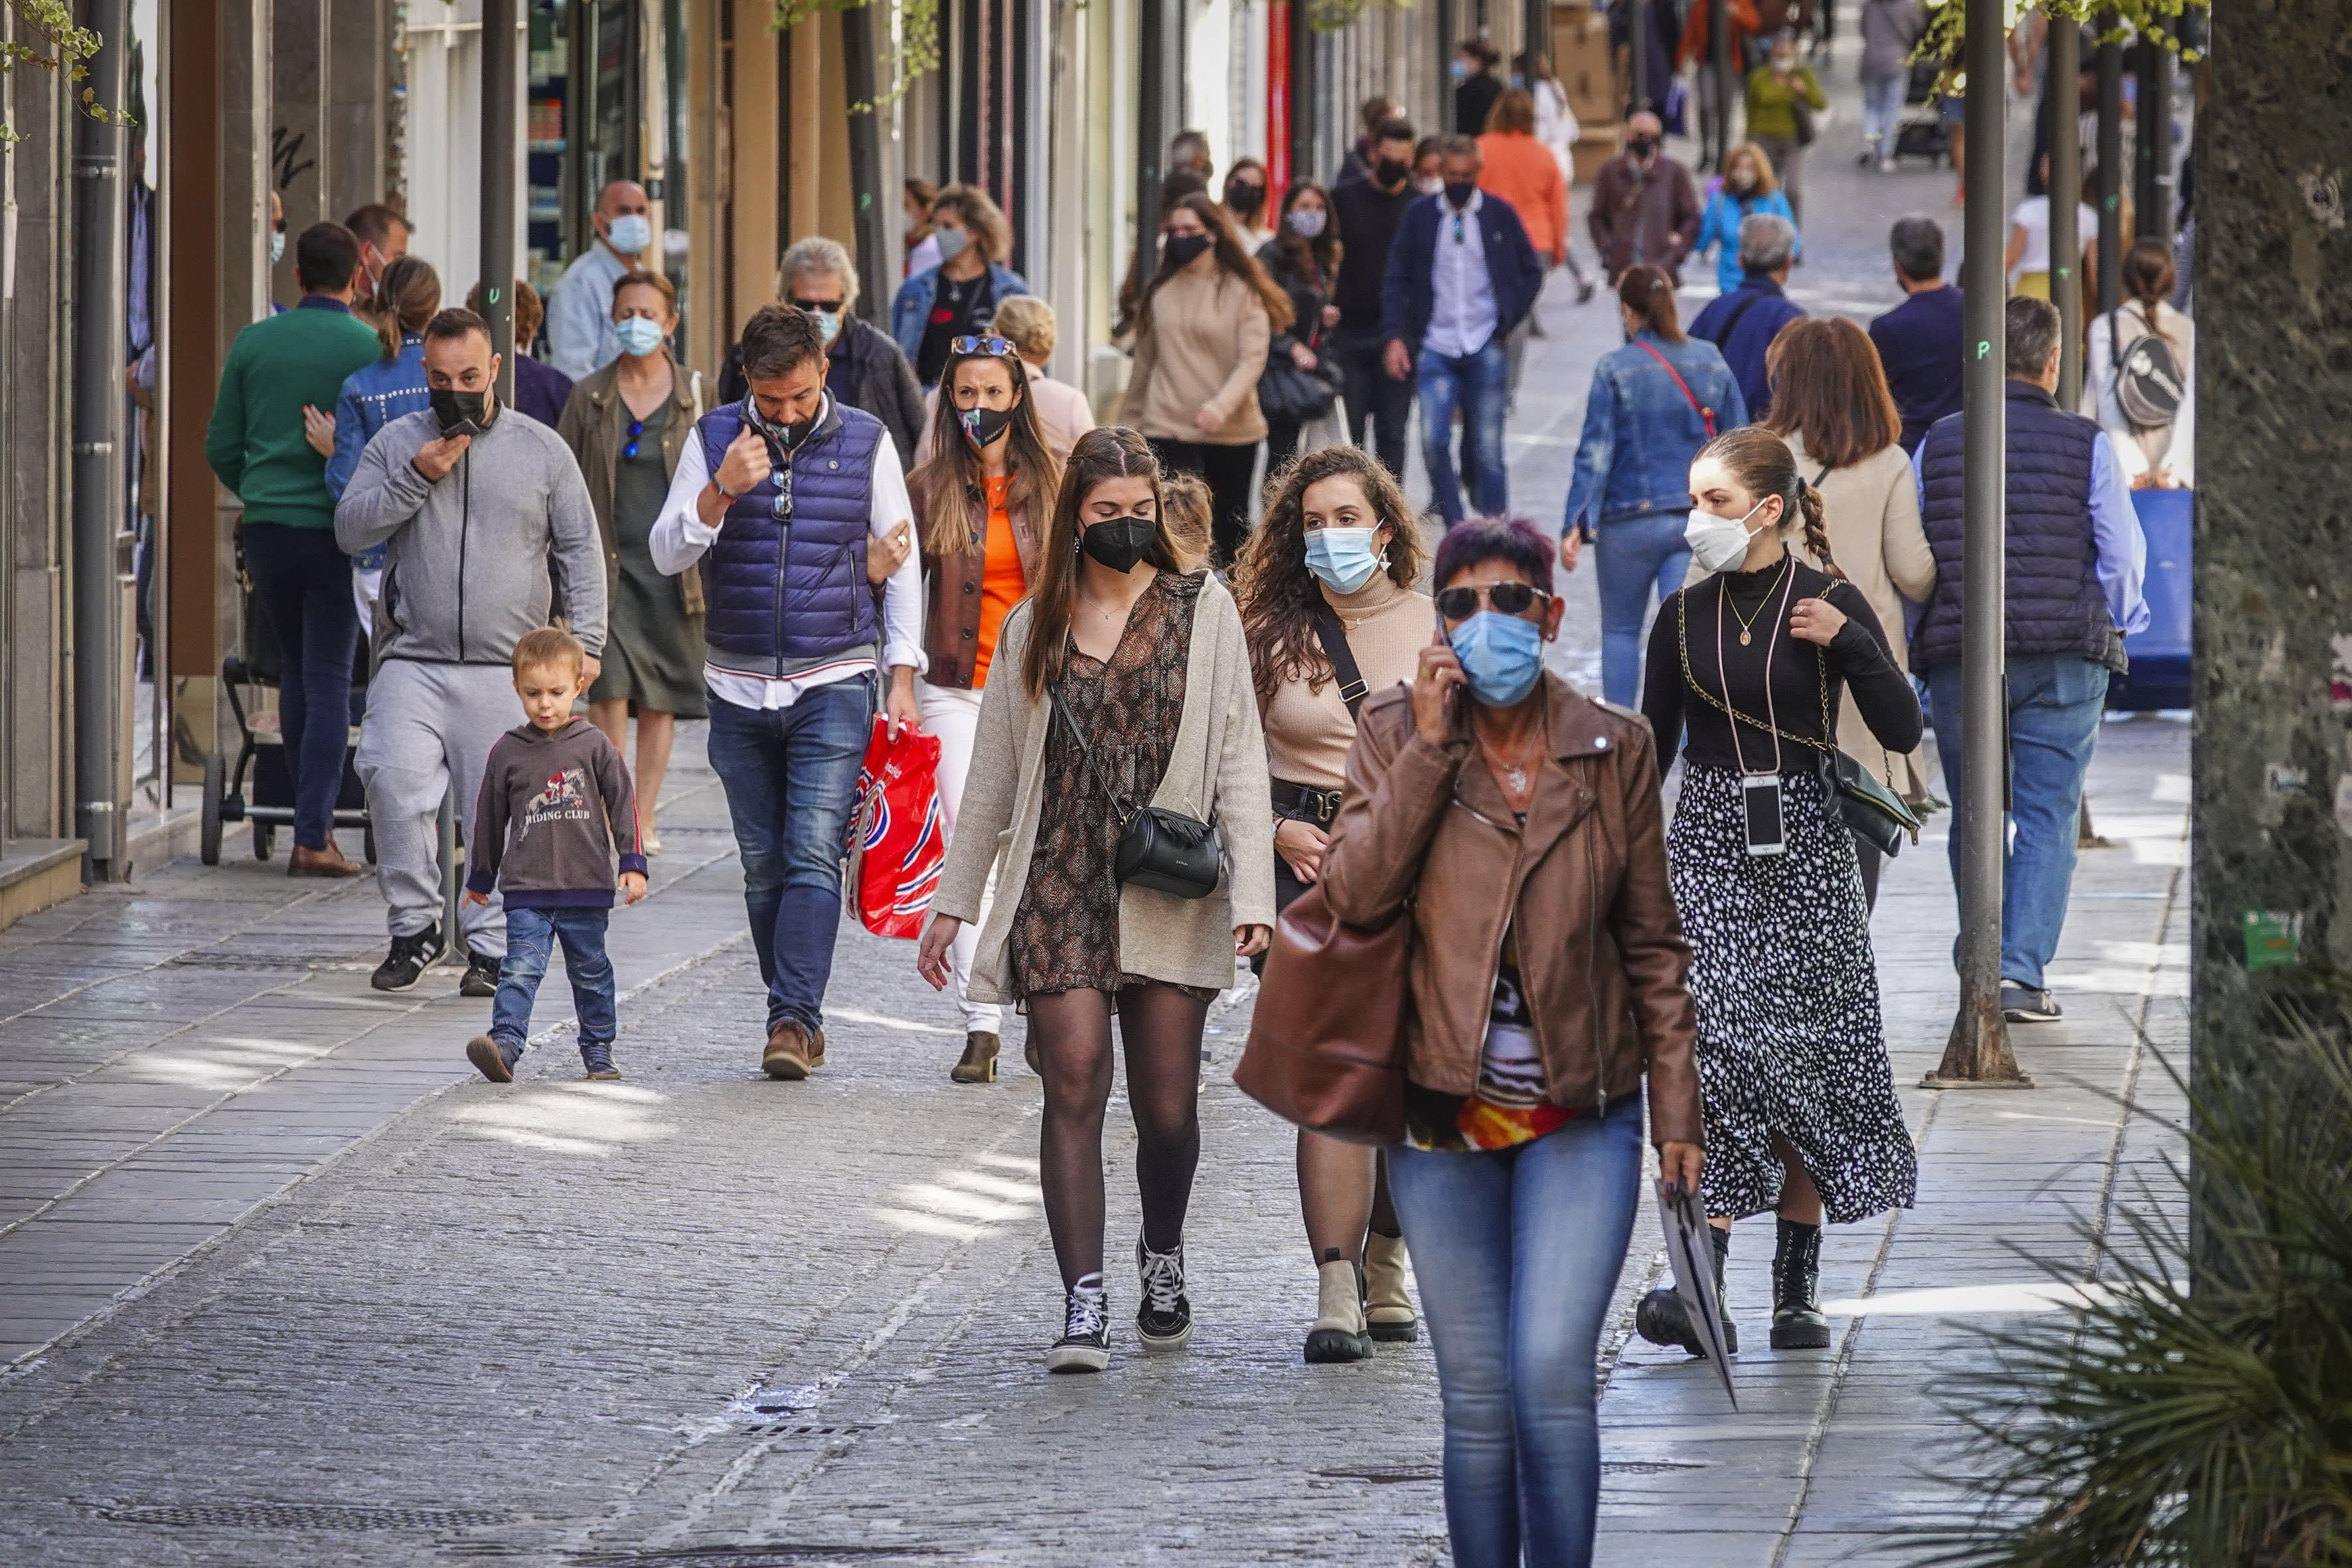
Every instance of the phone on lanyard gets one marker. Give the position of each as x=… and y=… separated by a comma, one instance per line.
x=1762, y=794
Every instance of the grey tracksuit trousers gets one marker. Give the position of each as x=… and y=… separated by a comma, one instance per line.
x=429, y=730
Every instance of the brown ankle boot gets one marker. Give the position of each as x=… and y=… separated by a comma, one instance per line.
x=978, y=1064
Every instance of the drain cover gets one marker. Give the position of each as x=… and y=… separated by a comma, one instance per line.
x=795, y=1429
x=776, y=1554
x=303, y=1516
x=1380, y=1473
x=1649, y=1466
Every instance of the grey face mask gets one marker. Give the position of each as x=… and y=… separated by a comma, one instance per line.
x=953, y=242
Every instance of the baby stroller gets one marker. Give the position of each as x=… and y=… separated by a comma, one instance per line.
x=260, y=762
x=1921, y=132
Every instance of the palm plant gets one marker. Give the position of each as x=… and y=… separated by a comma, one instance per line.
x=2196, y=1410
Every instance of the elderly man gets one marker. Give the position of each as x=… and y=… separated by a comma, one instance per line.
x=1461, y=276
x=2076, y=561
x=580, y=338
x=1644, y=207
x=864, y=366
x=1744, y=322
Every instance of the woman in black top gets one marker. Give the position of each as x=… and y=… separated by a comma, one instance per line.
x=1303, y=259
x=1744, y=677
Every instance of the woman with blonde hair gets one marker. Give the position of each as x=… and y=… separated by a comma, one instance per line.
x=1747, y=188
x=1121, y=683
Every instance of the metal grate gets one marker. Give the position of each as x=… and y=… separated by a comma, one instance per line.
x=778, y=1554
x=1387, y=1474
x=243, y=963
x=794, y=1429
x=303, y=1516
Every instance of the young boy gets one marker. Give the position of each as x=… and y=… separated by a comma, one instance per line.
x=562, y=788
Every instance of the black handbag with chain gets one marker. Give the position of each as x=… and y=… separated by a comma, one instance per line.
x=1159, y=848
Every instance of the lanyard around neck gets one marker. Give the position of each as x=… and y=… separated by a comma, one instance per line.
x=1772, y=645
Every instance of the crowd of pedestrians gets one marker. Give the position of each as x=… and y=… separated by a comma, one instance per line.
x=1199, y=673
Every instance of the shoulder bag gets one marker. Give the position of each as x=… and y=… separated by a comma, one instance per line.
x=1159, y=848
x=1325, y=1047
x=2148, y=379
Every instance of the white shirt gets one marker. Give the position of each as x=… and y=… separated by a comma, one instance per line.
x=580, y=340
x=681, y=537
x=2032, y=215
x=1462, y=294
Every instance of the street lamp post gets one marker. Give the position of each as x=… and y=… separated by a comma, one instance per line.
x=2111, y=162
x=1978, y=1055
x=2066, y=194
x=501, y=108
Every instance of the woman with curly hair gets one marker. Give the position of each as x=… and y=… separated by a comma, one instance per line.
x=1328, y=577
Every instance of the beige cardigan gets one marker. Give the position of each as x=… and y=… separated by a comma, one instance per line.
x=1204, y=349
x=1218, y=763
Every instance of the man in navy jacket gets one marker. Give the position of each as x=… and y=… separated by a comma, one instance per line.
x=1461, y=274
x=1744, y=322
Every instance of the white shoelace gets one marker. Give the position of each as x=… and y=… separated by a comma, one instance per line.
x=1163, y=1279
x=1085, y=1316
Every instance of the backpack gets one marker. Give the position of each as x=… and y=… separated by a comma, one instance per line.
x=2148, y=378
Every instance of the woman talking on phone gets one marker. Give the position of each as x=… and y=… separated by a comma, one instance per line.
x=1744, y=677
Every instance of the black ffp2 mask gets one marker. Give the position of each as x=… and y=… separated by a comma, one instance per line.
x=460, y=412
x=1118, y=543
x=1184, y=250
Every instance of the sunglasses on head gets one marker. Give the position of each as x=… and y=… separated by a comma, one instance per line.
x=1504, y=598
x=822, y=307
x=998, y=346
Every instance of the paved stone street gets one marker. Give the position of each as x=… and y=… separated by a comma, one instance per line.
x=282, y=1282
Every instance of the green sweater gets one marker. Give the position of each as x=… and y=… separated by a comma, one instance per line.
x=255, y=443
x=1772, y=103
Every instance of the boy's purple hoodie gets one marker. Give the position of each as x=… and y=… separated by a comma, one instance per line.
x=567, y=796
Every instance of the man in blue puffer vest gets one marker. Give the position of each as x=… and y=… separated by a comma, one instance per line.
x=2075, y=562
x=780, y=497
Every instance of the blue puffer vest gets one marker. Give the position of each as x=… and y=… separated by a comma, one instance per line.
x=787, y=593
x=2054, y=601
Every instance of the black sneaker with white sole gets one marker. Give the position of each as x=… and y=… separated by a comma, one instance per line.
x=1164, y=1322
x=410, y=957
x=1085, y=1344
x=481, y=974
x=2029, y=1004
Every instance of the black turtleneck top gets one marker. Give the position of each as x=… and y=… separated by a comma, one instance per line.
x=1683, y=650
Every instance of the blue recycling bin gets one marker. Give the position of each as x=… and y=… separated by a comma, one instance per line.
x=2159, y=676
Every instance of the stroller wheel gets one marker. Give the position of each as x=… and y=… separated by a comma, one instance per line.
x=265, y=840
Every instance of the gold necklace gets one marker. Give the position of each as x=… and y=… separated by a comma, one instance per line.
x=1514, y=774
x=1748, y=621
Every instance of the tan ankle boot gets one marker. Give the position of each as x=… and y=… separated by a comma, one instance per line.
x=1388, y=1306
x=1339, y=1332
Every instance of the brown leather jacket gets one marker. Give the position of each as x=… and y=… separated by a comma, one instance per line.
x=1601, y=955
x=951, y=591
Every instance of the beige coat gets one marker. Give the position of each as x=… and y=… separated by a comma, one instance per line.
x=1204, y=349
x=1218, y=764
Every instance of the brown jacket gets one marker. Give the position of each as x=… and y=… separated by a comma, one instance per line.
x=595, y=426
x=1655, y=211
x=1601, y=955
x=951, y=590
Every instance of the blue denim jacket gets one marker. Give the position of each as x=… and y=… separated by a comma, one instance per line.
x=1640, y=431
x=911, y=312
x=373, y=397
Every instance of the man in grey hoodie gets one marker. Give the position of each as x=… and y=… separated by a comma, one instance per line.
x=478, y=504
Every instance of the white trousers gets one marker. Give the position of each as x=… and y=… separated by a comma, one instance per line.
x=951, y=717
x=429, y=731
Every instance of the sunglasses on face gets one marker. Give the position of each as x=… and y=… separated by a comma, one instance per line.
x=822, y=307
x=1502, y=598
x=1001, y=347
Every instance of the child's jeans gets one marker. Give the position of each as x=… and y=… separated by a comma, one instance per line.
x=531, y=936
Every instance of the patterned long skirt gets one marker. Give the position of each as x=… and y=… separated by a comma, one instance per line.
x=1790, y=1042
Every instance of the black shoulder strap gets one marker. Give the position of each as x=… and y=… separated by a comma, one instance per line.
x=1334, y=638
x=1731, y=322
x=1087, y=752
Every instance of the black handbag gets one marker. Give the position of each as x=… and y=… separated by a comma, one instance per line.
x=1159, y=848
x=1289, y=395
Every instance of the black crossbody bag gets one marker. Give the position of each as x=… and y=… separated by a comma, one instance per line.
x=1159, y=848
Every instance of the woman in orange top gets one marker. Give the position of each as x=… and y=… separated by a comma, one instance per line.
x=1520, y=171
x=984, y=484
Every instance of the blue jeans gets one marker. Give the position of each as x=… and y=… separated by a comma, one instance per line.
x=790, y=775
x=1882, y=112
x=531, y=936
x=1516, y=1253
x=1479, y=385
x=2054, y=702
x=304, y=585
x=1639, y=558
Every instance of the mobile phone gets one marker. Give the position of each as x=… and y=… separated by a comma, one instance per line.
x=1762, y=794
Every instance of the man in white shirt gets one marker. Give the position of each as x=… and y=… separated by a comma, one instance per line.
x=779, y=499
x=1461, y=276
x=580, y=338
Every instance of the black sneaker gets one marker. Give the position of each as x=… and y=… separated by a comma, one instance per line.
x=410, y=957
x=481, y=974
x=2028, y=1004
x=1164, y=1322
x=1085, y=1344
x=492, y=1058
x=597, y=1059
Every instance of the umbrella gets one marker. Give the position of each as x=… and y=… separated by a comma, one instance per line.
x=1693, y=1257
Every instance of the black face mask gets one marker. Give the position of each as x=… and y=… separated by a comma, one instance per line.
x=1640, y=147
x=787, y=436
x=1390, y=172
x=985, y=427
x=1459, y=192
x=1245, y=198
x=459, y=413
x=1184, y=250
x=1118, y=543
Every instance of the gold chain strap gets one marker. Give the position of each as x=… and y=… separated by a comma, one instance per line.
x=1682, y=626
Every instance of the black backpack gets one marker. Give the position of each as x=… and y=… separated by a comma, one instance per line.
x=2148, y=379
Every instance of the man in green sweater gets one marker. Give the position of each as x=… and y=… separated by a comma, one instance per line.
x=278, y=369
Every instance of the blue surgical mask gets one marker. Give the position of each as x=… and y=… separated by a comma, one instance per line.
x=1502, y=655
x=630, y=234
x=639, y=336
x=277, y=246
x=1342, y=557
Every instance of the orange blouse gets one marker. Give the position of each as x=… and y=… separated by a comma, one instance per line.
x=1002, y=583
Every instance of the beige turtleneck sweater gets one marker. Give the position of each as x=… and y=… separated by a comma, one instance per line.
x=1307, y=733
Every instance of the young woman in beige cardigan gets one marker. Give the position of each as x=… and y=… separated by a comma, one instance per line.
x=1117, y=644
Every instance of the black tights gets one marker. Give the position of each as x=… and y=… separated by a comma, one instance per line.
x=1343, y=1190
x=1161, y=1028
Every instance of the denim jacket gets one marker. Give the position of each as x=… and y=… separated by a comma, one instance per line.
x=373, y=397
x=1640, y=431
x=911, y=312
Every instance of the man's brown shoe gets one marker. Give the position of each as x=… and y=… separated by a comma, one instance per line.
x=816, y=1047
x=789, y=1055
x=327, y=862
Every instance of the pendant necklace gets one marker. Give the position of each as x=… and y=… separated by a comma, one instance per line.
x=1749, y=620
x=1514, y=774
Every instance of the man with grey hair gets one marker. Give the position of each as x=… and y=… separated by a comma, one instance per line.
x=865, y=367
x=1744, y=322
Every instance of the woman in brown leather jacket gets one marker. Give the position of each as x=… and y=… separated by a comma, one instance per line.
x=1516, y=824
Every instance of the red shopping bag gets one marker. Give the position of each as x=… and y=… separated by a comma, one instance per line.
x=896, y=845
